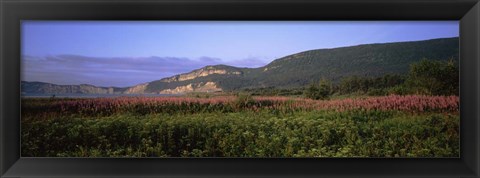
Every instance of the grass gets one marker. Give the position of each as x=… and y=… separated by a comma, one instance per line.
x=234, y=127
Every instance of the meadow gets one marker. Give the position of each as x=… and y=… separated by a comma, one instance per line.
x=241, y=126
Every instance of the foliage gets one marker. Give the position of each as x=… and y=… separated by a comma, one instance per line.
x=372, y=86
x=274, y=91
x=226, y=104
x=244, y=101
x=427, y=77
x=434, y=77
x=311, y=92
x=241, y=126
x=321, y=91
x=245, y=134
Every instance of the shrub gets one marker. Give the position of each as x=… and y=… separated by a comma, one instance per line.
x=320, y=92
x=244, y=101
x=434, y=77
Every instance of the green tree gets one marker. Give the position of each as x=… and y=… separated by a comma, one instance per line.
x=322, y=90
x=451, y=79
x=311, y=92
x=433, y=77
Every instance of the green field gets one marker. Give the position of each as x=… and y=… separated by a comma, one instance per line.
x=241, y=127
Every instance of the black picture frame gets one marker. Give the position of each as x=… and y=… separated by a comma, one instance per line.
x=12, y=12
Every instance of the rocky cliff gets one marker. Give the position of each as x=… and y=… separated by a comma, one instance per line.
x=203, y=72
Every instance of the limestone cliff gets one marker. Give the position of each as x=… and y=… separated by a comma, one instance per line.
x=137, y=89
x=200, y=87
x=209, y=70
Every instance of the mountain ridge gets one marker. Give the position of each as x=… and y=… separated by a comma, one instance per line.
x=369, y=60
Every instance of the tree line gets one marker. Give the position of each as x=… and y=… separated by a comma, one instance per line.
x=426, y=77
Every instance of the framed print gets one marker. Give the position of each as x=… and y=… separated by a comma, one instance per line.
x=239, y=88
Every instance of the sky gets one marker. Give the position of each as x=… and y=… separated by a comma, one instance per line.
x=126, y=53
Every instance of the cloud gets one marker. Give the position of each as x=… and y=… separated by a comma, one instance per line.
x=251, y=62
x=115, y=71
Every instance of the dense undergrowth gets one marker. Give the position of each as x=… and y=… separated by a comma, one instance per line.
x=241, y=127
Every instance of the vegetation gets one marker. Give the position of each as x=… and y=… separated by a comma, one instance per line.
x=321, y=91
x=242, y=126
x=371, y=86
x=426, y=77
x=434, y=77
x=339, y=103
x=273, y=91
x=369, y=61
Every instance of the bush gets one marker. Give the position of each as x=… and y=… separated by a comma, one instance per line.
x=400, y=90
x=432, y=77
x=244, y=101
x=245, y=134
x=376, y=92
x=322, y=91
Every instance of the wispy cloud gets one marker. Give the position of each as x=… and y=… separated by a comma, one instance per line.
x=248, y=62
x=116, y=71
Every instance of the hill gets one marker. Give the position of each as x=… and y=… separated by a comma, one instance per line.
x=300, y=69
x=48, y=88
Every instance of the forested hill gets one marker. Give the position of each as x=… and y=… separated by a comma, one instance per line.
x=370, y=60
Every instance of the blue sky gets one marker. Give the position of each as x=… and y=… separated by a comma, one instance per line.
x=125, y=53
